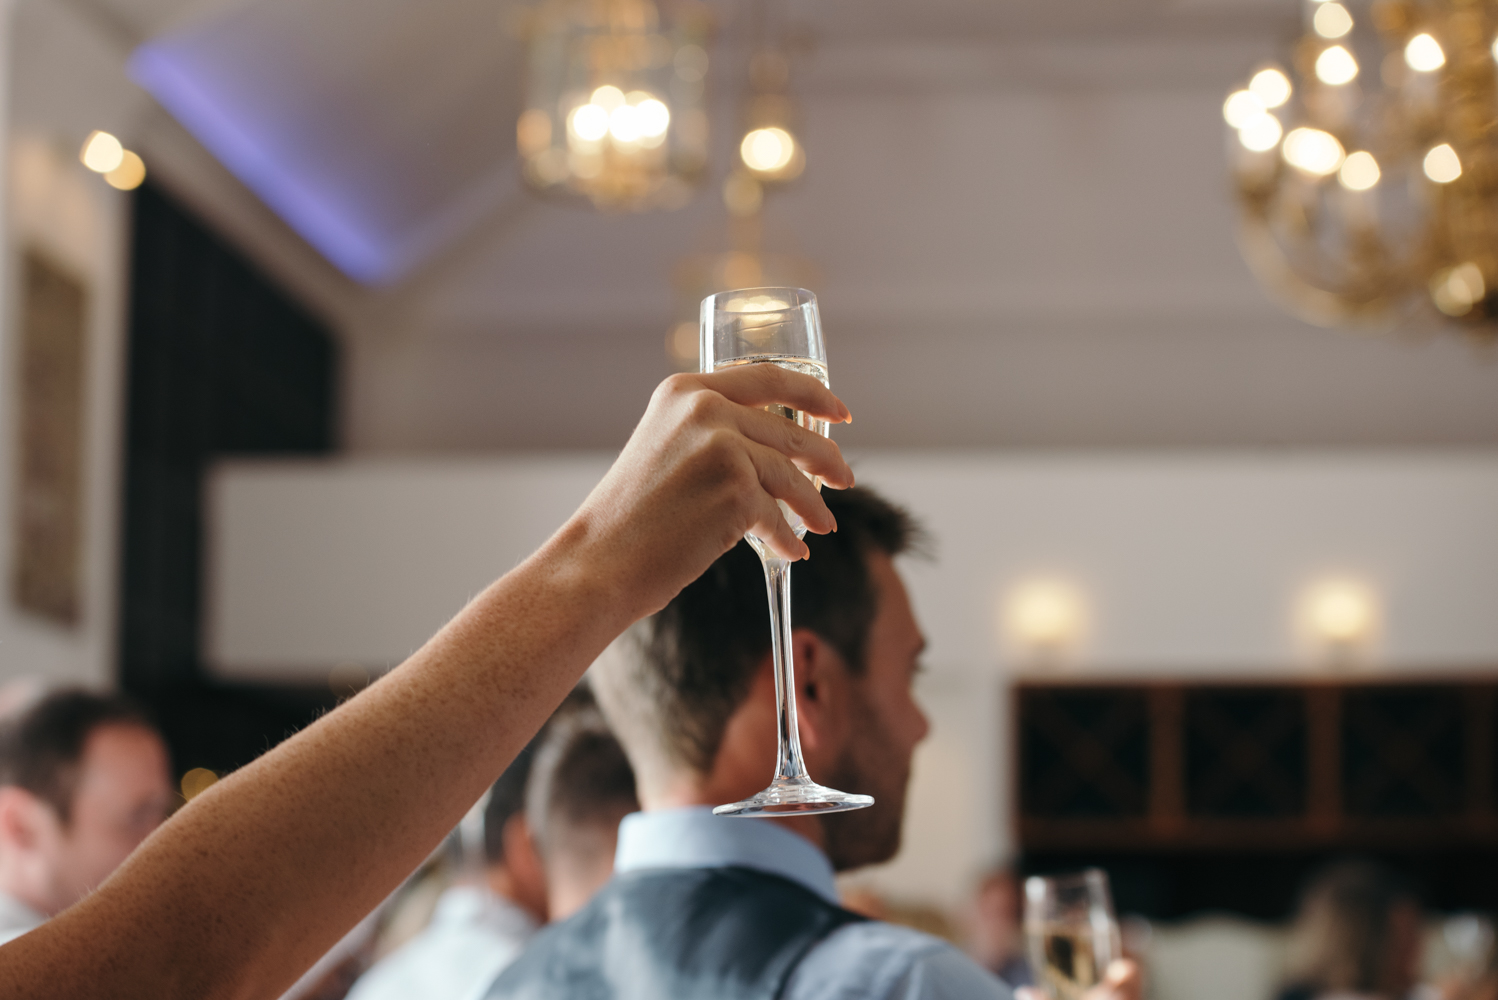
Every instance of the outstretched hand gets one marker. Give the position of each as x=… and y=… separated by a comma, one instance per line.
x=705, y=465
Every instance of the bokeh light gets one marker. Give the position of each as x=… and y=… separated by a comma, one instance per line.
x=197, y=781
x=1424, y=54
x=1271, y=86
x=1241, y=107
x=1359, y=171
x=768, y=150
x=1313, y=151
x=1262, y=133
x=1332, y=20
x=1336, y=66
x=101, y=152
x=1442, y=165
x=1045, y=614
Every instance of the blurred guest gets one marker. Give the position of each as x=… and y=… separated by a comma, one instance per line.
x=581, y=789
x=997, y=934
x=748, y=907
x=84, y=778
x=476, y=930
x=1357, y=934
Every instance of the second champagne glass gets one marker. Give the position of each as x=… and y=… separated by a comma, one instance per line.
x=1071, y=932
x=778, y=326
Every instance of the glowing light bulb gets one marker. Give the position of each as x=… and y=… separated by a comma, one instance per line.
x=1332, y=20
x=1270, y=86
x=1261, y=133
x=1336, y=66
x=1316, y=152
x=590, y=122
x=624, y=123
x=101, y=152
x=129, y=175
x=1442, y=165
x=1340, y=612
x=1457, y=289
x=197, y=781
x=1359, y=171
x=1424, y=54
x=608, y=97
x=1495, y=50
x=1241, y=107
x=1044, y=614
x=655, y=117
x=767, y=150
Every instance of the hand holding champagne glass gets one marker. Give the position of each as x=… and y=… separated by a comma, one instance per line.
x=778, y=326
x=1071, y=933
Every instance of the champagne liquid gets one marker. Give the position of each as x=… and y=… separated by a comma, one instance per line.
x=818, y=371
x=1066, y=960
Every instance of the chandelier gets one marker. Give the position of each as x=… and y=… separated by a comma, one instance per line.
x=1367, y=173
x=615, y=102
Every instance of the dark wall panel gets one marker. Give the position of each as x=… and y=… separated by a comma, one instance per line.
x=221, y=362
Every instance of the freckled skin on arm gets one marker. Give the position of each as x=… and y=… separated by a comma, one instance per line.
x=247, y=886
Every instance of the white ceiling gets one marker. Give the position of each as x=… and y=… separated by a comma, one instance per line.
x=1020, y=209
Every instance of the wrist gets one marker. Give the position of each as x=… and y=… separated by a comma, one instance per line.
x=581, y=567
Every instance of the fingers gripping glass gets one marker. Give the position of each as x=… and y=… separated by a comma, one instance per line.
x=776, y=326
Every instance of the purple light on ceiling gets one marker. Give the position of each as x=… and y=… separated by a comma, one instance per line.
x=168, y=74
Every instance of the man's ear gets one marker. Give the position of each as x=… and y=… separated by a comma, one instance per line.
x=20, y=816
x=822, y=691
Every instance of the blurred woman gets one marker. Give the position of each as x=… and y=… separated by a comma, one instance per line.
x=1357, y=935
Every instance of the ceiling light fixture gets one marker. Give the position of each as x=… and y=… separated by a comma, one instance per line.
x=1394, y=101
x=615, y=102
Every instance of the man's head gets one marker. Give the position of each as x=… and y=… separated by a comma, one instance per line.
x=580, y=789
x=513, y=869
x=84, y=778
x=689, y=690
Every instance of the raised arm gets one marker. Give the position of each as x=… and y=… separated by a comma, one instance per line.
x=245, y=887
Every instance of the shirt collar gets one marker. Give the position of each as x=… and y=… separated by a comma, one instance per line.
x=695, y=838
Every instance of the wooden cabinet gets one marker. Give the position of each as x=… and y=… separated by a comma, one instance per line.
x=1255, y=766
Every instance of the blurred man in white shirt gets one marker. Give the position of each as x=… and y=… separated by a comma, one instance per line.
x=479, y=929
x=582, y=786
x=84, y=778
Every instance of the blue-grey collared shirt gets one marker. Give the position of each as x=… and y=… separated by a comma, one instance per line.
x=862, y=961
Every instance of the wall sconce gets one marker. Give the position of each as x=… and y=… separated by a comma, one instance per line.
x=1044, y=617
x=1339, y=614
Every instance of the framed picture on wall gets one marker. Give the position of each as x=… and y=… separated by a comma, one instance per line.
x=50, y=370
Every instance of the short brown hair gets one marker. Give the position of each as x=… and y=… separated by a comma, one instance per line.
x=581, y=780
x=41, y=747
x=673, y=681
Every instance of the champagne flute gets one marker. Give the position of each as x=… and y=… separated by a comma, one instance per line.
x=1070, y=931
x=776, y=326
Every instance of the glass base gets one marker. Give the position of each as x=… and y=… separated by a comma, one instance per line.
x=795, y=797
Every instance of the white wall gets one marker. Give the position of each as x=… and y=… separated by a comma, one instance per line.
x=59, y=73
x=62, y=74
x=1192, y=564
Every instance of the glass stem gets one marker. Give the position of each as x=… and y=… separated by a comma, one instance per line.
x=788, y=760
